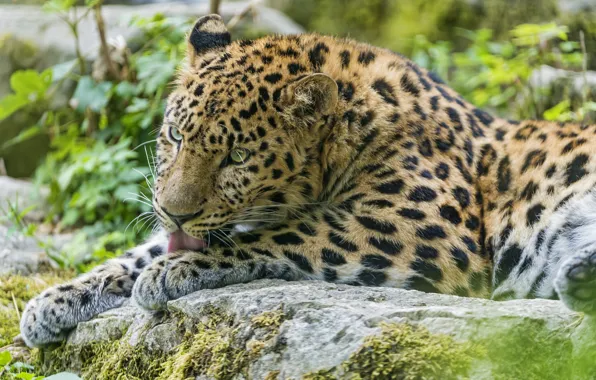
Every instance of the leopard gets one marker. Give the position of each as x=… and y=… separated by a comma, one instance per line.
x=310, y=157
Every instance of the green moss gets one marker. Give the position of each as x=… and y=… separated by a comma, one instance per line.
x=209, y=347
x=104, y=360
x=324, y=374
x=403, y=351
x=529, y=354
x=20, y=289
x=273, y=375
x=267, y=325
x=270, y=320
x=9, y=326
x=409, y=352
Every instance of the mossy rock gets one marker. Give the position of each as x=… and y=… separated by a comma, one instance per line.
x=404, y=351
x=211, y=347
x=316, y=330
x=205, y=346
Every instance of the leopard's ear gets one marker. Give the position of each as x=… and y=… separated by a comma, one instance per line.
x=208, y=34
x=310, y=98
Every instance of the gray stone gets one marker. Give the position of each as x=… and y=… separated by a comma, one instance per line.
x=20, y=253
x=22, y=194
x=576, y=82
x=324, y=323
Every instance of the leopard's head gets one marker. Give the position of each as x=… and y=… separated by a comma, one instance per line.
x=239, y=130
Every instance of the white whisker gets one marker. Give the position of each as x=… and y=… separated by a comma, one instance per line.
x=137, y=219
x=145, y=143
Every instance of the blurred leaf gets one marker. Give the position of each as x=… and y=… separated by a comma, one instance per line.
x=557, y=112
x=155, y=70
x=589, y=106
x=23, y=136
x=20, y=366
x=5, y=358
x=89, y=94
x=61, y=70
x=126, y=192
x=70, y=217
x=25, y=376
x=30, y=82
x=58, y=5
x=125, y=89
x=138, y=105
x=534, y=34
x=65, y=177
x=29, y=86
x=12, y=103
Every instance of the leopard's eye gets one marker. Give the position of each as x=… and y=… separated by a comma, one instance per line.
x=239, y=156
x=175, y=134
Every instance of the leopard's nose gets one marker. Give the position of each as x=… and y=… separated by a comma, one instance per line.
x=181, y=219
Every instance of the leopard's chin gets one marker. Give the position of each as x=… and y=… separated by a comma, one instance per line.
x=180, y=240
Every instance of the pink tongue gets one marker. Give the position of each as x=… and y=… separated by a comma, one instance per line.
x=179, y=240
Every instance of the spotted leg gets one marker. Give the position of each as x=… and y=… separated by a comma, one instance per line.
x=48, y=317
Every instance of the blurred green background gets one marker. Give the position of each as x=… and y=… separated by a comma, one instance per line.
x=81, y=122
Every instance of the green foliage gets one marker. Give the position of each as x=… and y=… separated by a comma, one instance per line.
x=496, y=74
x=28, y=86
x=15, y=370
x=10, y=369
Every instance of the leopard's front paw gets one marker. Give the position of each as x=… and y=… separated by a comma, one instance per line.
x=576, y=282
x=176, y=275
x=149, y=291
x=42, y=321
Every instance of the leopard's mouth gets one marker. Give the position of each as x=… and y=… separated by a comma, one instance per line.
x=180, y=240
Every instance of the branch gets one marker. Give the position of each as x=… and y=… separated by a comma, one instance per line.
x=2, y=167
x=214, y=6
x=105, y=49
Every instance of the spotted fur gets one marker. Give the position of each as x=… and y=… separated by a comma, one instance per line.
x=357, y=167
